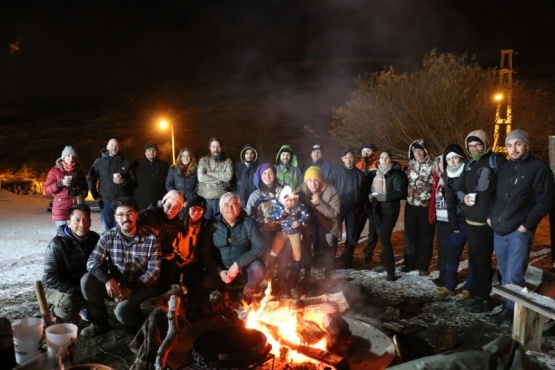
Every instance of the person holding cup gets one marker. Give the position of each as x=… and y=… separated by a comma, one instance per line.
x=66, y=181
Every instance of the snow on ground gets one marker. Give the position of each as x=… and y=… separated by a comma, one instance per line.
x=26, y=228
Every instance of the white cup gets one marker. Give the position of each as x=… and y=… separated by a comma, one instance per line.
x=61, y=337
x=27, y=334
x=68, y=177
x=472, y=198
x=116, y=175
x=374, y=194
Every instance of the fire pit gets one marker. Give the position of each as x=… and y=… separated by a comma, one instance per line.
x=231, y=348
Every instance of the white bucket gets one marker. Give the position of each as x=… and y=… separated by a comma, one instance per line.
x=61, y=337
x=27, y=334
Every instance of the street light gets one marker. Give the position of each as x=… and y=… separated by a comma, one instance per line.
x=164, y=125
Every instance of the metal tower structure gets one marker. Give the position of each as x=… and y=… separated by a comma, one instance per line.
x=503, y=111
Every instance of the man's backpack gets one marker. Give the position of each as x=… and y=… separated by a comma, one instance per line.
x=492, y=163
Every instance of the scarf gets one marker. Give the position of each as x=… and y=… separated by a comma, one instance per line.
x=456, y=171
x=185, y=168
x=379, y=183
x=68, y=167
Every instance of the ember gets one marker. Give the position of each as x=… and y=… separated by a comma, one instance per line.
x=309, y=330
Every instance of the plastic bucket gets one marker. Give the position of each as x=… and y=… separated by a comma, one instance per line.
x=27, y=334
x=61, y=337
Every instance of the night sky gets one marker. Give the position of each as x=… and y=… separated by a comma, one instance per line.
x=62, y=56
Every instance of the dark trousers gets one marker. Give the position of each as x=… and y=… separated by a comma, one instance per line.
x=127, y=311
x=384, y=218
x=443, y=238
x=456, y=246
x=480, y=250
x=106, y=215
x=354, y=223
x=419, y=238
x=372, y=231
x=314, y=231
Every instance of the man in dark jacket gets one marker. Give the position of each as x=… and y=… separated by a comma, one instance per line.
x=243, y=173
x=232, y=245
x=316, y=159
x=65, y=262
x=477, y=186
x=149, y=177
x=351, y=184
x=524, y=196
x=108, y=180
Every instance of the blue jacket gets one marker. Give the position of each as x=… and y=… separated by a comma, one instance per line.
x=298, y=213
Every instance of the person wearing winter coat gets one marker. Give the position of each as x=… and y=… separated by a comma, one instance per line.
x=324, y=206
x=109, y=180
x=149, y=177
x=65, y=263
x=215, y=172
x=388, y=186
x=232, y=247
x=524, y=196
x=477, y=188
x=287, y=170
x=316, y=159
x=182, y=176
x=352, y=187
x=419, y=231
x=66, y=181
x=243, y=173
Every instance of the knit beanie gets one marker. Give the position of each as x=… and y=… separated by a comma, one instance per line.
x=176, y=196
x=286, y=193
x=67, y=151
x=195, y=201
x=520, y=135
x=313, y=172
x=258, y=174
x=151, y=146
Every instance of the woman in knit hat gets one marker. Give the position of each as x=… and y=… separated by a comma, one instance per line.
x=324, y=227
x=66, y=181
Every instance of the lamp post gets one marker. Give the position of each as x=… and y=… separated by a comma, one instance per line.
x=163, y=124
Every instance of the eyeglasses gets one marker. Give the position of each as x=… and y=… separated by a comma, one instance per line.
x=129, y=214
x=475, y=146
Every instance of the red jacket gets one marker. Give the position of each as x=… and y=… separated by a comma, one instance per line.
x=65, y=197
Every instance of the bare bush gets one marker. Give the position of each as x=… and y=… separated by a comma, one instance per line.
x=441, y=102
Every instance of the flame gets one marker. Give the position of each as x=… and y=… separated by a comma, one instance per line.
x=268, y=315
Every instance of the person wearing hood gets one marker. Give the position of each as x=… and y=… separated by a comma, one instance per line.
x=524, y=196
x=65, y=262
x=419, y=231
x=287, y=170
x=243, y=173
x=215, y=172
x=109, y=180
x=316, y=159
x=454, y=160
x=149, y=177
x=368, y=163
x=182, y=176
x=476, y=191
x=66, y=181
x=324, y=206
x=388, y=186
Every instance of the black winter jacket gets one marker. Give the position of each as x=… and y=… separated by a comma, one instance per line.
x=395, y=181
x=65, y=260
x=149, y=179
x=103, y=170
x=185, y=184
x=524, y=195
x=352, y=187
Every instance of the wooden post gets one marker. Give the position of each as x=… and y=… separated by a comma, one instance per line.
x=551, y=150
x=527, y=328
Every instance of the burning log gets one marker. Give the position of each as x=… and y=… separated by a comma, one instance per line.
x=173, y=330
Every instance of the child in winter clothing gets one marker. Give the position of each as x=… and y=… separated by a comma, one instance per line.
x=292, y=216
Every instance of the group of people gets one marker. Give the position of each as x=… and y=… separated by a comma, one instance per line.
x=207, y=225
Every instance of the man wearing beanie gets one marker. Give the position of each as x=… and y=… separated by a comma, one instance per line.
x=243, y=173
x=316, y=159
x=479, y=178
x=324, y=227
x=149, y=177
x=368, y=163
x=287, y=170
x=109, y=180
x=524, y=196
x=66, y=181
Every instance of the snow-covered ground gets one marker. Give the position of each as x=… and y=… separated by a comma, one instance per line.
x=26, y=228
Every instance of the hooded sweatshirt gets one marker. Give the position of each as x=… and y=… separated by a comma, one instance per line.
x=420, y=177
x=243, y=173
x=288, y=174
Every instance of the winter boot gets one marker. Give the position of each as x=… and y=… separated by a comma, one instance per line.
x=294, y=273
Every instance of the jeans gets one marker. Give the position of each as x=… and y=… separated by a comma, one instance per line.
x=443, y=236
x=106, y=215
x=456, y=246
x=212, y=208
x=512, y=252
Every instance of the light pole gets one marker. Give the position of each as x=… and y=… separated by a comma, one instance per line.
x=163, y=124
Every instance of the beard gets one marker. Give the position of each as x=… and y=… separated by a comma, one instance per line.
x=218, y=157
